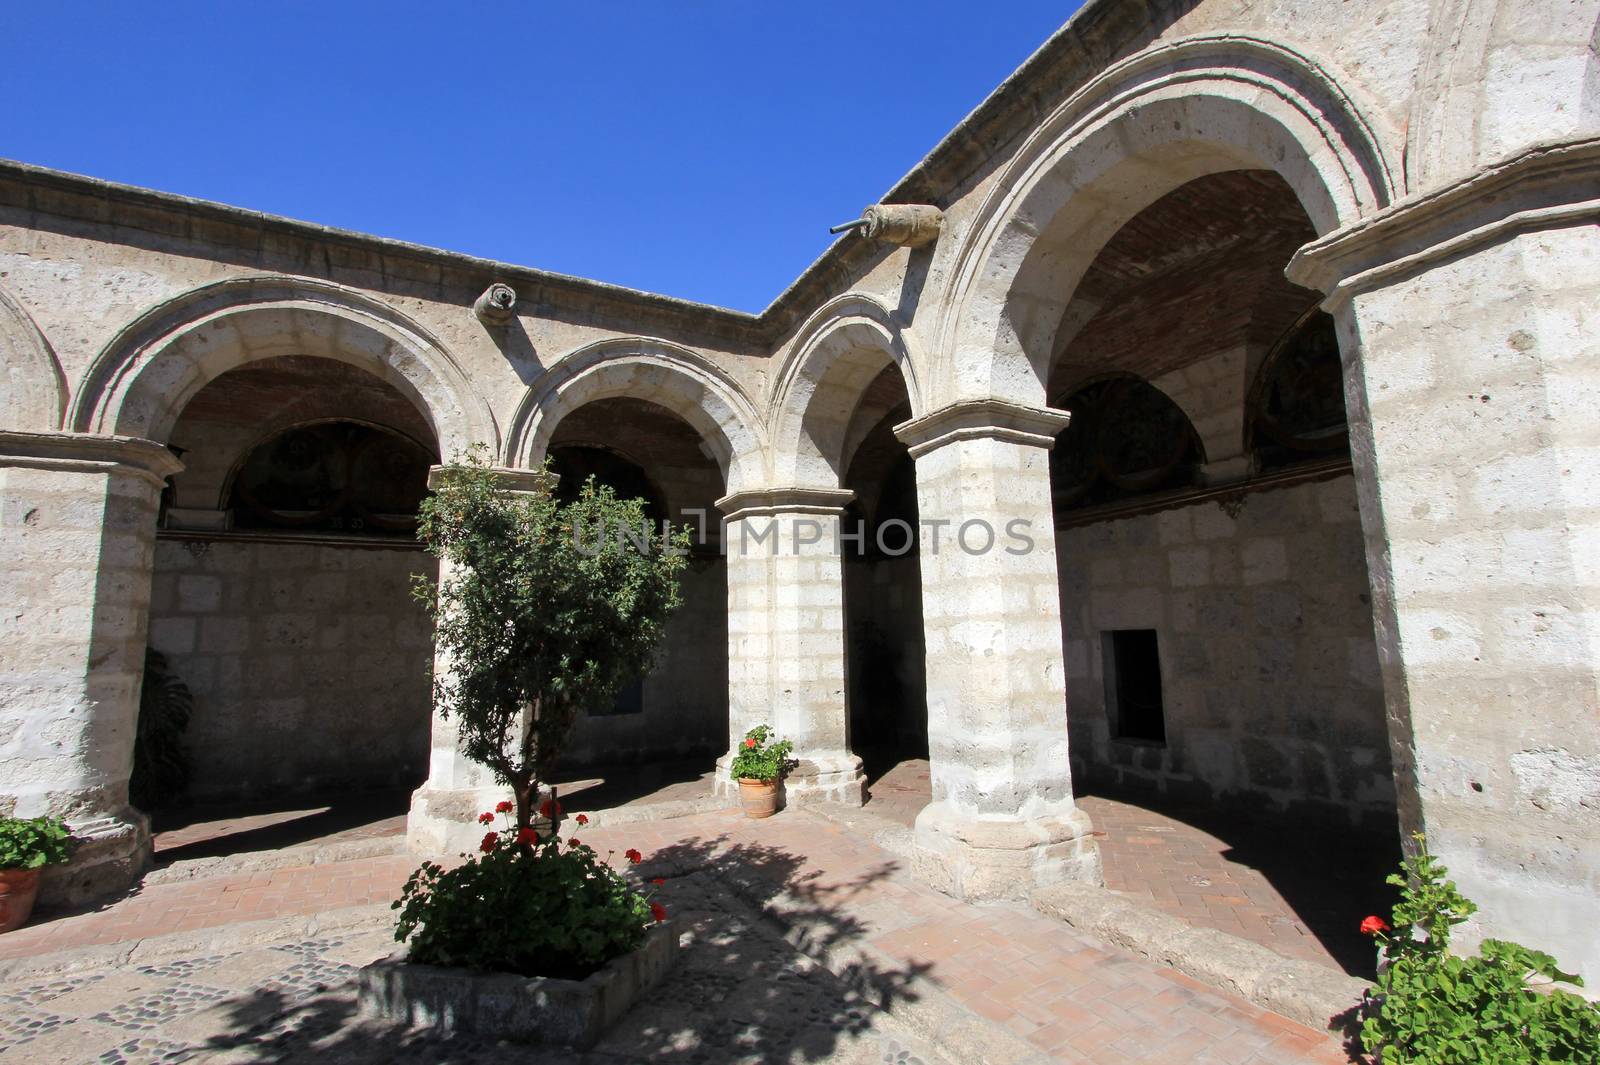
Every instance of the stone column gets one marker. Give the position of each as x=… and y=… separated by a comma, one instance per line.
x=444, y=811
x=1475, y=425
x=786, y=653
x=1002, y=820
x=77, y=546
x=1470, y=333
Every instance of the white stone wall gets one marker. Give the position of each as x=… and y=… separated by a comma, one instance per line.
x=309, y=664
x=1270, y=677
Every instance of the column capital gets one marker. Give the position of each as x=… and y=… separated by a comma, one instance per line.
x=982, y=419
x=88, y=453
x=511, y=478
x=774, y=502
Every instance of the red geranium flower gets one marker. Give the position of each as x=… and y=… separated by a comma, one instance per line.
x=750, y=743
x=633, y=855
x=546, y=810
x=658, y=911
x=658, y=881
x=485, y=818
x=573, y=842
x=581, y=819
x=1371, y=926
x=503, y=807
x=527, y=835
x=489, y=842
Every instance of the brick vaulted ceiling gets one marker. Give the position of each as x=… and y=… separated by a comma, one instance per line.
x=1197, y=272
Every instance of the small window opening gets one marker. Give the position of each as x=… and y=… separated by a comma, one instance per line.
x=1133, y=685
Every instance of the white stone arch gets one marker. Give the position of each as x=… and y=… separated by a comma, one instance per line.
x=140, y=383
x=835, y=355
x=656, y=371
x=1147, y=125
x=33, y=390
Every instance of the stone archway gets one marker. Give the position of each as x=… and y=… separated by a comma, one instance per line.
x=139, y=384
x=1145, y=127
x=673, y=377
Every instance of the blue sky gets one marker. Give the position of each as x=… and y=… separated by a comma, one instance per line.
x=699, y=149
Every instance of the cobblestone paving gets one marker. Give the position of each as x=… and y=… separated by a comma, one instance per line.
x=738, y=994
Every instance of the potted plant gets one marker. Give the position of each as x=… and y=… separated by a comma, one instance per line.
x=758, y=766
x=27, y=845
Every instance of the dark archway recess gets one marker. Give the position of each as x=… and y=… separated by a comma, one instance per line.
x=282, y=598
x=574, y=464
x=1125, y=439
x=667, y=729
x=336, y=476
x=884, y=648
x=1296, y=407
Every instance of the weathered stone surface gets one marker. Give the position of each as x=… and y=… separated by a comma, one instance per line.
x=522, y=1009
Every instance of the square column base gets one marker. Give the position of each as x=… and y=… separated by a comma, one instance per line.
x=834, y=777
x=109, y=855
x=982, y=858
x=446, y=821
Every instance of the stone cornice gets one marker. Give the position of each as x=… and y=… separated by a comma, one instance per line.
x=777, y=502
x=88, y=453
x=1543, y=187
x=511, y=478
x=982, y=419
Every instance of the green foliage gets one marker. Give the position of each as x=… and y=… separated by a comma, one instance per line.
x=759, y=758
x=160, y=763
x=1434, y=1008
x=30, y=843
x=532, y=907
x=543, y=610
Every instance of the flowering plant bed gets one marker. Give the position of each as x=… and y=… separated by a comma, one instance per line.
x=532, y=938
x=522, y=1009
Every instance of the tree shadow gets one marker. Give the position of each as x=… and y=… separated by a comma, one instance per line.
x=750, y=983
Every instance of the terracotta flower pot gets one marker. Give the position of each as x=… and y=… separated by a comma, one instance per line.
x=18, y=889
x=758, y=798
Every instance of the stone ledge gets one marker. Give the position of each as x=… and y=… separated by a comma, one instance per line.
x=520, y=1008
x=287, y=858
x=1302, y=991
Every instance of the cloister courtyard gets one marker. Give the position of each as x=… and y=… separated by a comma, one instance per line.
x=808, y=940
x=1167, y=509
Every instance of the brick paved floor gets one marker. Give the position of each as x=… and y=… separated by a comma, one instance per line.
x=1301, y=892
x=1077, y=1000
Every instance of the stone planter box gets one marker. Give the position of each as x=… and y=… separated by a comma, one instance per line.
x=523, y=1009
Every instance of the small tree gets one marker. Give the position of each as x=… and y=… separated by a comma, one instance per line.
x=542, y=611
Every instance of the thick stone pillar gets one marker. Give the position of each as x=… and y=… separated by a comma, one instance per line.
x=786, y=652
x=1002, y=820
x=1470, y=331
x=1483, y=540
x=77, y=545
x=444, y=811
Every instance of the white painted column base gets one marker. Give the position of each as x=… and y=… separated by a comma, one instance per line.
x=836, y=777
x=110, y=853
x=994, y=857
x=446, y=821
